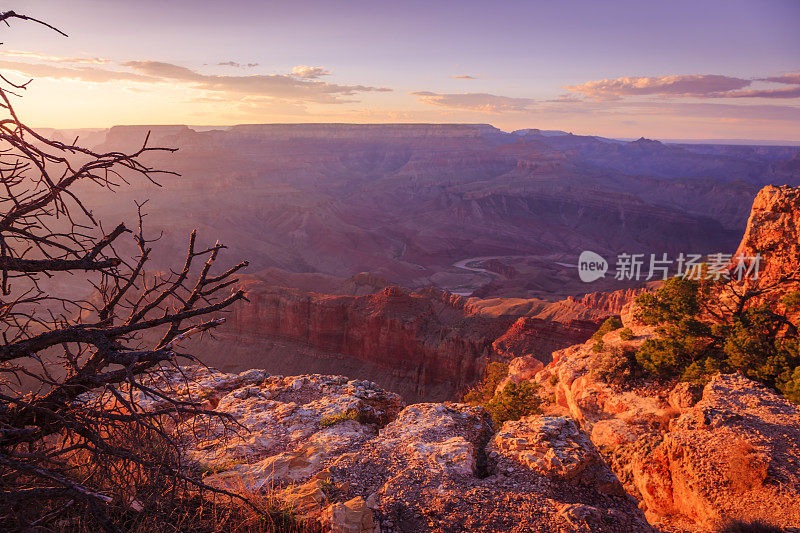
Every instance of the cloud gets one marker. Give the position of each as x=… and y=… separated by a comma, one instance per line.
x=55, y=59
x=270, y=85
x=697, y=85
x=793, y=78
x=236, y=65
x=311, y=73
x=279, y=86
x=97, y=75
x=467, y=77
x=483, y=102
x=688, y=85
x=785, y=92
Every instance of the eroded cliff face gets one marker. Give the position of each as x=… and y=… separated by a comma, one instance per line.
x=426, y=345
x=429, y=347
x=773, y=231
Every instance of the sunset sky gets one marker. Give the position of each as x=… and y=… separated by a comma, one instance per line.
x=678, y=69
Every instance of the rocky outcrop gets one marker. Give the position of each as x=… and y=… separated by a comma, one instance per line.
x=344, y=455
x=773, y=231
x=694, y=458
x=734, y=455
x=610, y=302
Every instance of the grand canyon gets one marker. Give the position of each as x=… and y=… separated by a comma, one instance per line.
x=399, y=268
x=405, y=254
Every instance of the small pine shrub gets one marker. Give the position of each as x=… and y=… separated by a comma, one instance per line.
x=515, y=401
x=611, y=324
x=790, y=385
x=617, y=365
x=483, y=391
x=694, y=343
x=626, y=334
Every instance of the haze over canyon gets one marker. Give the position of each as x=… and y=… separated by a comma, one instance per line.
x=412, y=255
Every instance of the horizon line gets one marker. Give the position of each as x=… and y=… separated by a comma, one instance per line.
x=209, y=127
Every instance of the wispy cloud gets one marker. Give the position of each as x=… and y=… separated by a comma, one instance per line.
x=301, y=86
x=236, y=64
x=270, y=85
x=91, y=74
x=484, y=102
x=310, y=73
x=697, y=85
x=55, y=59
x=792, y=78
x=784, y=92
x=467, y=77
x=688, y=85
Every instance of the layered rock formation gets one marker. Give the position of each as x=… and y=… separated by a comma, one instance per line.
x=346, y=455
x=426, y=345
x=538, y=338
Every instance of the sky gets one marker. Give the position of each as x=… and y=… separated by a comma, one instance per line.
x=700, y=69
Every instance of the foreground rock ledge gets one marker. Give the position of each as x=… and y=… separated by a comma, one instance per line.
x=346, y=455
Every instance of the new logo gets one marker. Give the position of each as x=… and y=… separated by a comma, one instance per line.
x=591, y=266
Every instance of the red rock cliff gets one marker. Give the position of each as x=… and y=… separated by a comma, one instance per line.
x=426, y=344
x=772, y=231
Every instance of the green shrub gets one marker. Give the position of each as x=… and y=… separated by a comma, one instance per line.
x=610, y=324
x=598, y=346
x=513, y=402
x=791, y=300
x=483, y=391
x=700, y=335
x=790, y=384
x=676, y=299
x=616, y=365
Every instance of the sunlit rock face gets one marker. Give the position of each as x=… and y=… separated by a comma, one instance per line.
x=348, y=455
x=693, y=457
x=773, y=231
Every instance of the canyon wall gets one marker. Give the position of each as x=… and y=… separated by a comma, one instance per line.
x=426, y=345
